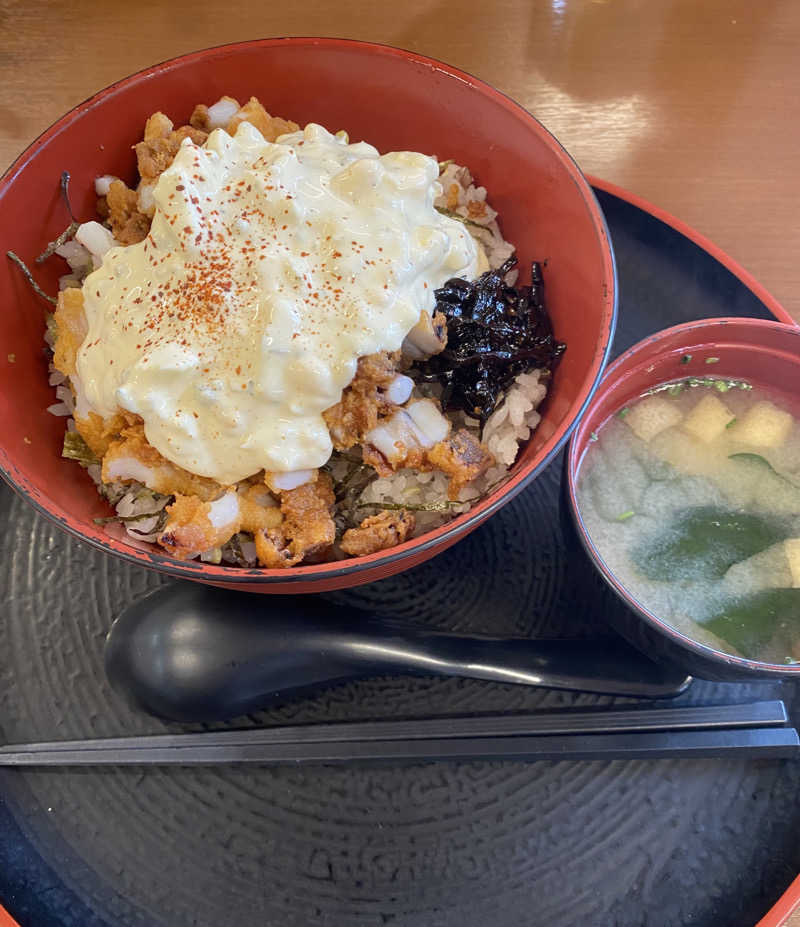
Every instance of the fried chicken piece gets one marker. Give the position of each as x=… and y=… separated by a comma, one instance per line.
x=269, y=126
x=200, y=118
x=379, y=532
x=362, y=401
x=208, y=118
x=307, y=528
x=72, y=328
x=154, y=155
x=204, y=118
x=157, y=126
x=194, y=526
x=132, y=457
x=403, y=438
x=258, y=509
x=99, y=433
x=417, y=437
x=462, y=457
x=410, y=458
x=128, y=225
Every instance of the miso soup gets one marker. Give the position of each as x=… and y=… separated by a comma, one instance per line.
x=691, y=495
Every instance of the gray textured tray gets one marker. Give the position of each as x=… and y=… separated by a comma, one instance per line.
x=559, y=844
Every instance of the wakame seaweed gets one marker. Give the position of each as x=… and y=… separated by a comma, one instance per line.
x=703, y=543
x=752, y=621
x=494, y=333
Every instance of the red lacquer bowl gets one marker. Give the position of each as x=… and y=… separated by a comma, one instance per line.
x=763, y=352
x=391, y=98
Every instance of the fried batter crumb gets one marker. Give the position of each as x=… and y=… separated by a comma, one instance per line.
x=379, y=532
x=307, y=528
x=190, y=529
x=269, y=126
x=362, y=402
x=72, y=328
x=132, y=457
x=157, y=126
x=128, y=225
x=154, y=155
x=462, y=457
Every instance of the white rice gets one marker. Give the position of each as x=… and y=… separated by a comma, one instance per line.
x=513, y=421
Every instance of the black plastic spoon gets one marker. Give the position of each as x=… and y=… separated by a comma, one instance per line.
x=195, y=653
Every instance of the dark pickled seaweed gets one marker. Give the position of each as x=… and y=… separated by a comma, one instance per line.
x=494, y=333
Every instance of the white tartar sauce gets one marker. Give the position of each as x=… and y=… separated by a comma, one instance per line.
x=270, y=268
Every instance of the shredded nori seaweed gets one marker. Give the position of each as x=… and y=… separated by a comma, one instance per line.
x=348, y=490
x=441, y=505
x=494, y=333
x=232, y=549
x=29, y=277
x=132, y=519
x=67, y=235
x=75, y=448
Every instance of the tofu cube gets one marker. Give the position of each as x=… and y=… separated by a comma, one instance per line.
x=708, y=419
x=764, y=425
x=651, y=416
x=792, y=548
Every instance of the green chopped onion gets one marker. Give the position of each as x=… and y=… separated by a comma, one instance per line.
x=623, y=412
x=626, y=515
x=721, y=386
x=712, y=360
x=686, y=358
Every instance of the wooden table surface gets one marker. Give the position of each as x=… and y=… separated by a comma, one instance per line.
x=692, y=104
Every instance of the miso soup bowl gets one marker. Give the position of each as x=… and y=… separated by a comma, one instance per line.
x=392, y=98
x=765, y=353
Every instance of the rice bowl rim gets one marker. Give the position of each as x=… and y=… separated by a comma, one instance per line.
x=451, y=530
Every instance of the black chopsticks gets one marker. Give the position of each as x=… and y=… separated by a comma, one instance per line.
x=758, y=729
